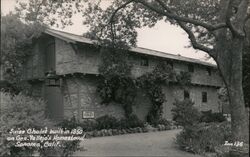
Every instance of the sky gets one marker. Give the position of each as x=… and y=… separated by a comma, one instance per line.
x=163, y=37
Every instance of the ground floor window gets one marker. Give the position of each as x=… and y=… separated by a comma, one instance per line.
x=186, y=94
x=204, y=96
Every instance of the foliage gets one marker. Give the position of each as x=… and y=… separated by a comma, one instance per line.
x=110, y=122
x=152, y=83
x=69, y=147
x=26, y=112
x=107, y=122
x=183, y=78
x=16, y=46
x=208, y=116
x=157, y=98
x=185, y=114
x=116, y=84
x=114, y=63
x=162, y=74
x=130, y=122
x=21, y=112
x=203, y=137
x=88, y=125
x=161, y=121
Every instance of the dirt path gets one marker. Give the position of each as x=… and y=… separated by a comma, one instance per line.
x=143, y=144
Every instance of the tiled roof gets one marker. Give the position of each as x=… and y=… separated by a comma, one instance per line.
x=77, y=38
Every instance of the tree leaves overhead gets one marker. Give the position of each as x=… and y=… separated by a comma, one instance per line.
x=16, y=44
x=49, y=12
x=115, y=22
x=119, y=28
x=135, y=15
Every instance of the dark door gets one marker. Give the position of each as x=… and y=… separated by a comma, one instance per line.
x=50, y=55
x=54, y=99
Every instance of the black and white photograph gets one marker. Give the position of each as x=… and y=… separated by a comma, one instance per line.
x=104, y=78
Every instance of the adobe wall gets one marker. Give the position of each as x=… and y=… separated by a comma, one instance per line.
x=174, y=92
x=89, y=99
x=86, y=60
x=80, y=95
x=70, y=61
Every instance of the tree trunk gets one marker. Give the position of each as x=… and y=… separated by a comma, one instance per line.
x=230, y=64
x=240, y=123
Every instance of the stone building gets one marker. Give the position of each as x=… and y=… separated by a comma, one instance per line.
x=75, y=60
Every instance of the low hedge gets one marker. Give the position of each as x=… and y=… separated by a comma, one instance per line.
x=110, y=122
x=108, y=125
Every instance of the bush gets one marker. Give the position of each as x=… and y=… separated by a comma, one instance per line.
x=68, y=147
x=110, y=122
x=26, y=112
x=184, y=113
x=107, y=122
x=208, y=116
x=203, y=137
x=161, y=121
x=21, y=112
x=89, y=125
x=131, y=122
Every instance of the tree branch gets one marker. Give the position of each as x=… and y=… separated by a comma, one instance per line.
x=191, y=35
x=38, y=9
x=182, y=19
x=231, y=26
x=112, y=18
x=241, y=16
x=194, y=42
x=119, y=8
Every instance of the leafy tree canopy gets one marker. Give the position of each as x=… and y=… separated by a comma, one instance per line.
x=16, y=44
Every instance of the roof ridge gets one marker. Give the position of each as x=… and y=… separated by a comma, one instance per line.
x=142, y=48
x=52, y=29
x=162, y=52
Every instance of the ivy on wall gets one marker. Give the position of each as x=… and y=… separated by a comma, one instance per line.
x=152, y=83
x=117, y=84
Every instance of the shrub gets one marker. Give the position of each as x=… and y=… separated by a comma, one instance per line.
x=26, y=112
x=130, y=122
x=110, y=122
x=208, y=116
x=21, y=112
x=89, y=125
x=161, y=121
x=184, y=113
x=107, y=122
x=67, y=147
x=203, y=137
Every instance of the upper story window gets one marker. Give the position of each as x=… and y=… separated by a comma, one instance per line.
x=144, y=61
x=191, y=68
x=186, y=94
x=204, y=97
x=209, y=72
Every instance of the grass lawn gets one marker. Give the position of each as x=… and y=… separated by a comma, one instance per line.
x=139, y=144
